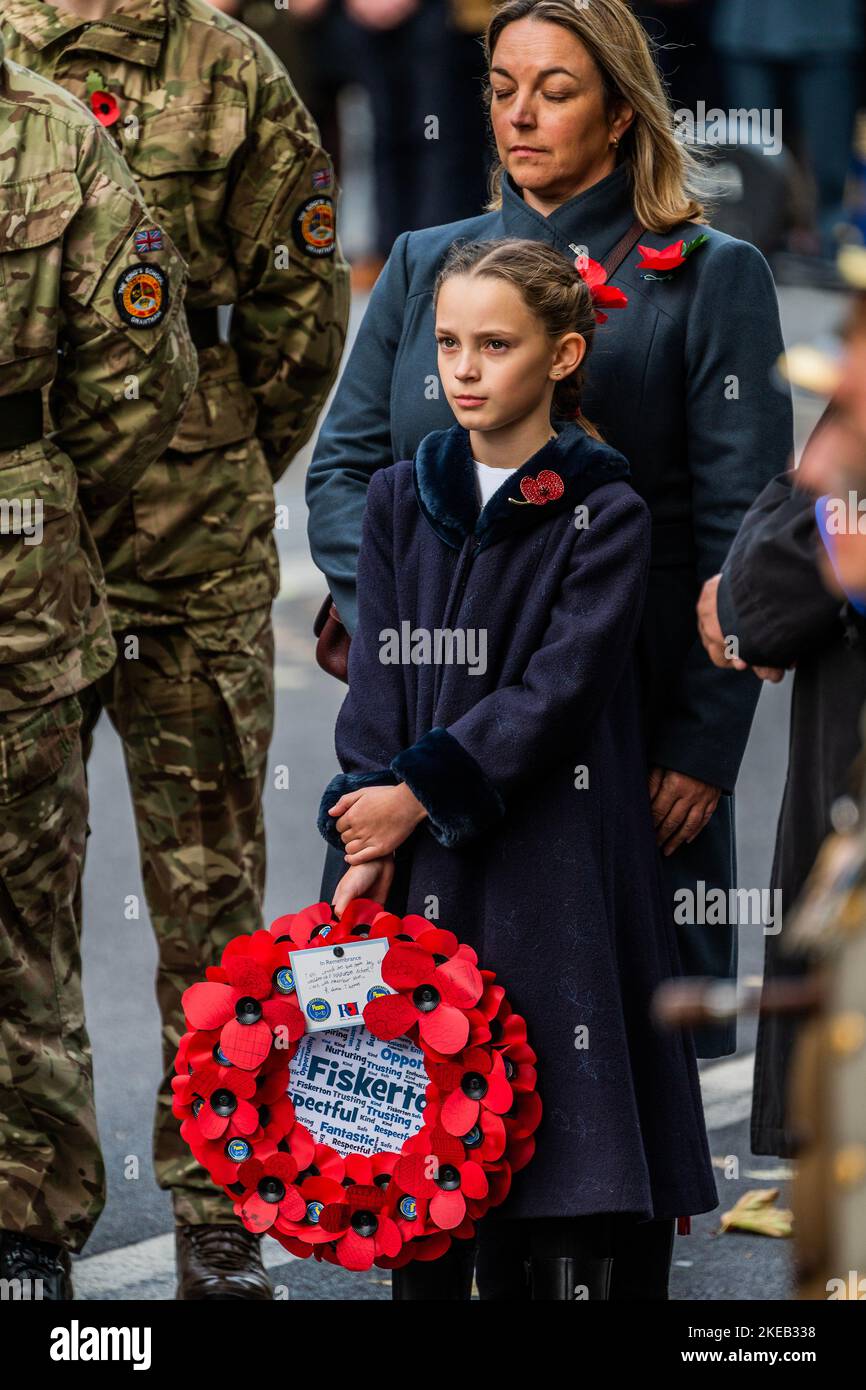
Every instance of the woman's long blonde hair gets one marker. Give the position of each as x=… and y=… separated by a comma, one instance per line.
x=665, y=175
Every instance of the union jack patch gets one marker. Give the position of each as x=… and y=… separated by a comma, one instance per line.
x=148, y=241
x=322, y=178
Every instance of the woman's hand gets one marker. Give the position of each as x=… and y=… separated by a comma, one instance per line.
x=370, y=880
x=373, y=821
x=681, y=807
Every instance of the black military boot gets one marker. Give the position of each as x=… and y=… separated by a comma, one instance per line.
x=34, y=1269
x=220, y=1262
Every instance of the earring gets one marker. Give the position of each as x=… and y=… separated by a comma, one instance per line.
x=615, y=140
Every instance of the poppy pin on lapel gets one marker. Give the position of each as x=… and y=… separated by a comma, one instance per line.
x=547, y=487
x=661, y=265
x=604, y=296
x=103, y=105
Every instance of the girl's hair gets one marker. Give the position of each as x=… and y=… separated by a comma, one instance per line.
x=665, y=176
x=551, y=288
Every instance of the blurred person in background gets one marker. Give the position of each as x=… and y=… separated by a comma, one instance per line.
x=682, y=33
x=790, y=605
x=805, y=59
x=422, y=62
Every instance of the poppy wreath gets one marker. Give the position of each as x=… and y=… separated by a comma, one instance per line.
x=233, y=1071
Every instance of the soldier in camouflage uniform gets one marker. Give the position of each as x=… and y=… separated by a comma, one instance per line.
x=230, y=163
x=71, y=227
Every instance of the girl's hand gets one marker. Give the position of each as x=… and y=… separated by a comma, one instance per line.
x=373, y=821
x=370, y=880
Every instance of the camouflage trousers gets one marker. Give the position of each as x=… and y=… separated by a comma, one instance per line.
x=52, y=1180
x=194, y=708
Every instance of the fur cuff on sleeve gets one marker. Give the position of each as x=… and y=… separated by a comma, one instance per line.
x=337, y=787
x=457, y=796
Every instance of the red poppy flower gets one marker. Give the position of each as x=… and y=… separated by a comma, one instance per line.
x=521, y=1122
x=604, y=296
x=300, y=928
x=371, y=1170
x=361, y=1226
x=197, y=1050
x=477, y=1081
x=667, y=259
x=670, y=257
x=547, y=487
x=271, y=1193
x=243, y=1012
x=437, y=1168
x=221, y=1158
x=428, y=1247
x=324, y=1162
x=218, y=1101
x=277, y=1119
x=444, y=944
x=317, y=1193
x=429, y=994
x=104, y=107
x=486, y=1139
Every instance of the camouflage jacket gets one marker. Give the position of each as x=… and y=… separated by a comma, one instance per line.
x=116, y=381
x=228, y=160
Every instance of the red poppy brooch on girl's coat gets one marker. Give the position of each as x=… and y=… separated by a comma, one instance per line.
x=480, y=1107
x=604, y=296
x=103, y=105
x=547, y=487
x=662, y=264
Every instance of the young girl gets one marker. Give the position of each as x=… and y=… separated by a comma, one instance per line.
x=491, y=740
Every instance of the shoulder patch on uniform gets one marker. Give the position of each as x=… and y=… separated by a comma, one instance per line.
x=313, y=227
x=321, y=178
x=149, y=239
x=141, y=295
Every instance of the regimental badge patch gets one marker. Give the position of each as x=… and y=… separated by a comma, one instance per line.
x=141, y=295
x=313, y=227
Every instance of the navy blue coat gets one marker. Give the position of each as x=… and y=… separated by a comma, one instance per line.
x=557, y=887
x=680, y=383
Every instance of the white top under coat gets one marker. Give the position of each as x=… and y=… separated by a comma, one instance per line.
x=489, y=480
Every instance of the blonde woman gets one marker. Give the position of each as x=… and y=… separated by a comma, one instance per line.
x=680, y=384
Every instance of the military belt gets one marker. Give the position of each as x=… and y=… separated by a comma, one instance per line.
x=203, y=327
x=20, y=419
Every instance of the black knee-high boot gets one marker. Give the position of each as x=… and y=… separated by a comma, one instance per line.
x=570, y=1260
x=642, y=1253
x=448, y=1279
